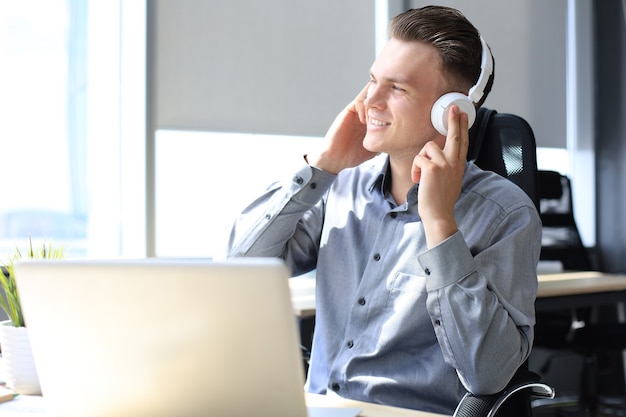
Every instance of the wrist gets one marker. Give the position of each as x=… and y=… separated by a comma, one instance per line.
x=437, y=231
x=322, y=162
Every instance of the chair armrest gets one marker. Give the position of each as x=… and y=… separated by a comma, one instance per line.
x=488, y=405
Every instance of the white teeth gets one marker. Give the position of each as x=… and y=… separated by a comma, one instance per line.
x=377, y=122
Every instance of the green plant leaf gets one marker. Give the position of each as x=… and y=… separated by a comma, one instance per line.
x=10, y=301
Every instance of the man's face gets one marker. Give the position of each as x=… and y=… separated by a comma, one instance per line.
x=405, y=81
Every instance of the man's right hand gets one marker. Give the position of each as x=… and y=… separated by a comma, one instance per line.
x=344, y=139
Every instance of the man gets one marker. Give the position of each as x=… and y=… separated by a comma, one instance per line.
x=426, y=265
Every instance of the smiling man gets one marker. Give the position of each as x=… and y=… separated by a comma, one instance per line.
x=426, y=265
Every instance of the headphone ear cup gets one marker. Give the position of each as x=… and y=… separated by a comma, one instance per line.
x=439, y=112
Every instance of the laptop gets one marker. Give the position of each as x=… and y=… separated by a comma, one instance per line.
x=134, y=338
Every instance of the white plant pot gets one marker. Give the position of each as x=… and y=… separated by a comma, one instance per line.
x=18, y=366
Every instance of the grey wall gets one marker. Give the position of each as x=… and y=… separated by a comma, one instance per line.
x=279, y=66
x=288, y=67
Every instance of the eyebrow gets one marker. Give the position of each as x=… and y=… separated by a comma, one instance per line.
x=392, y=79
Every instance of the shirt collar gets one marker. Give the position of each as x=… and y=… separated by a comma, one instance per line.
x=380, y=182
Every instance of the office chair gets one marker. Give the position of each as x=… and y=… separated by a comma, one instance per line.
x=561, y=239
x=505, y=144
x=576, y=330
x=561, y=242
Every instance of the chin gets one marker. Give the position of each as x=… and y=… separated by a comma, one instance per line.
x=372, y=145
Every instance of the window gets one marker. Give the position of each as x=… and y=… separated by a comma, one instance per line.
x=61, y=85
x=204, y=179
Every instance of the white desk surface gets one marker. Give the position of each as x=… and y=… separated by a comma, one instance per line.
x=34, y=406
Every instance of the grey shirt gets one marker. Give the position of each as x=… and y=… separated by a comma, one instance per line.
x=398, y=323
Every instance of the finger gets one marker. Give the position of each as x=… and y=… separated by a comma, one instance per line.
x=359, y=104
x=457, y=140
x=430, y=154
x=453, y=142
x=416, y=169
x=464, y=130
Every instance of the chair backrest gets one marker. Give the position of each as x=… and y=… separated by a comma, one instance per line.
x=561, y=239
x=505, y=143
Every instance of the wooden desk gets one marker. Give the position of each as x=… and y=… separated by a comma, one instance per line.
x=579, y=289
x=34, y=406
x=570, y=289
x=586, y=282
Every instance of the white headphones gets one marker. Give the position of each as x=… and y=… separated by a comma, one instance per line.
x=439, y=112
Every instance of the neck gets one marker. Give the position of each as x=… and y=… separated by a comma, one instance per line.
x=401, y=181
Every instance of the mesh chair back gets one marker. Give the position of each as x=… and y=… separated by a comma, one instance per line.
x=505, y=143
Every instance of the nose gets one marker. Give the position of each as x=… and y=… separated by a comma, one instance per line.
x=374, y=96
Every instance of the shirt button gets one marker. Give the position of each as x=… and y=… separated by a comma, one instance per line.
x=335, y=387
x=377, y=257
x=313, y=185
x=362, y=301
x=268, y=216
x=350, y=344
x=393, y=214
x=427, y=271
x=438, y=322
x=298, y=180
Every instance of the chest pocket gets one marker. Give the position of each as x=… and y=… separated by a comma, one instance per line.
x=407, y=294
x=407, y=313
x=408, y=283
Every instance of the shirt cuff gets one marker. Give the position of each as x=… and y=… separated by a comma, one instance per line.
x=447, y=262
x=309, y=184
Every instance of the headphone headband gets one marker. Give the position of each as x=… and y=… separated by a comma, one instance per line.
x=486, y=69
x=466, y=103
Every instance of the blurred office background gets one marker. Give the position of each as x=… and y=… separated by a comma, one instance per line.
x=136, y=128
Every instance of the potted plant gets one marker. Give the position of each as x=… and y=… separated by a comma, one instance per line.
x=17, y=360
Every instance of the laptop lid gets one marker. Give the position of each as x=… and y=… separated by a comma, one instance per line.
x=163, y=337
